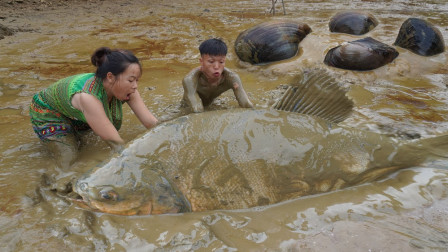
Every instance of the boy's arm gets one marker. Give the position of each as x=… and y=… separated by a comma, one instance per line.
x=239, y=92
x=191, y=97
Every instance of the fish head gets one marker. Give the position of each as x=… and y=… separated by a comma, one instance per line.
x=129, y=191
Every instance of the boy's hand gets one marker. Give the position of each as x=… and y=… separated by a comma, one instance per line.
x=197, y=108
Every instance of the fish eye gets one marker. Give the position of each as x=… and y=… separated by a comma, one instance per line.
x=108, y=195
x=83, y=187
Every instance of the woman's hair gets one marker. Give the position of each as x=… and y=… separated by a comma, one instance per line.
x=112, y=60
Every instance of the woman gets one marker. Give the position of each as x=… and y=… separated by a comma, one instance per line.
x=90, y=101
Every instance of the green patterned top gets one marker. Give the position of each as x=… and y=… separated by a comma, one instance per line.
x=57, y=97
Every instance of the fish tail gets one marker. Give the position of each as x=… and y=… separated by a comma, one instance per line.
x=419, y=151
x=317, y=94
x=409, y=154
x=433, y=148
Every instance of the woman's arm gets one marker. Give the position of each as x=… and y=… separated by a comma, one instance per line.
x=141, y=111
x=97, y=119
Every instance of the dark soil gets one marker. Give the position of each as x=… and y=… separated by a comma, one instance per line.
x=13, y=12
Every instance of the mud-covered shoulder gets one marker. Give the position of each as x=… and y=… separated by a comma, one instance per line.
x=231, y=77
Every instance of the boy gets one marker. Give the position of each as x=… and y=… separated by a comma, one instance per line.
x=206, y=82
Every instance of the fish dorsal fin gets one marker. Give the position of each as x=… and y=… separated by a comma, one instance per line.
x=319, y=94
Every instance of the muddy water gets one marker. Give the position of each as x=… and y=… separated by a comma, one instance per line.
x=405, y=99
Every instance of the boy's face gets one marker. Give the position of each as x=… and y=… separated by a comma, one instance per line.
x=212, y=66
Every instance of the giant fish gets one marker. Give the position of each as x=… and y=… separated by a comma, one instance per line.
x=242, y=158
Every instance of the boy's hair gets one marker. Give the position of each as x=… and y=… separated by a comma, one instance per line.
x=213, y=47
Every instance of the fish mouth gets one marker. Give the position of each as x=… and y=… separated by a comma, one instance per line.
x=161, y=198
x=130, y=206
x=127, y=208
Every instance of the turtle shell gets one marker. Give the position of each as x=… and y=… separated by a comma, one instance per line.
x=355, y=23
x=270, y=41
x=362, y=55
x=420, y=37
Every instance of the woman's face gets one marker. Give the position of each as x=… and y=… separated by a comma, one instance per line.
x=126, y=83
